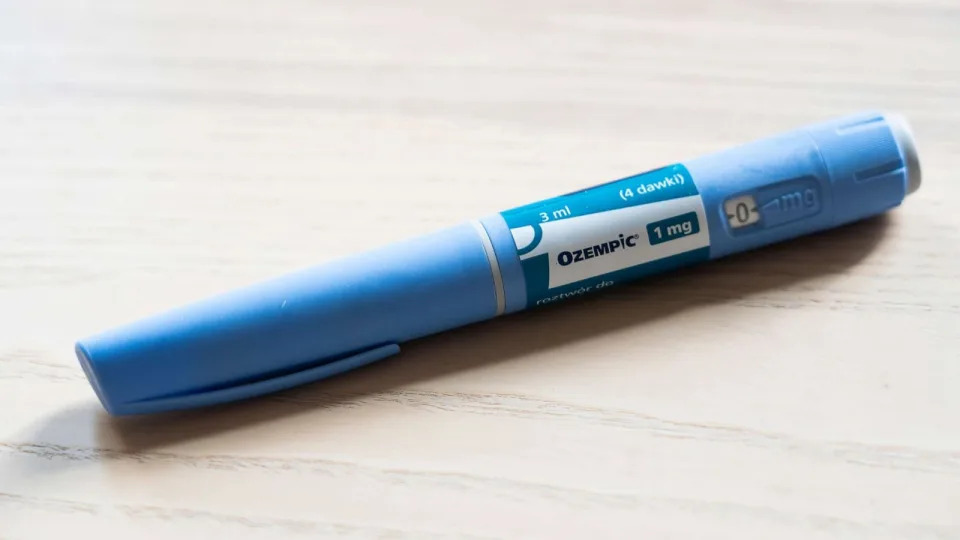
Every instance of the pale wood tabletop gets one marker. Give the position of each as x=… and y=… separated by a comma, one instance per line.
x=156, y=152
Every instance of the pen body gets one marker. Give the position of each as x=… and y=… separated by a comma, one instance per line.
x=774, y=189
x=338, y=316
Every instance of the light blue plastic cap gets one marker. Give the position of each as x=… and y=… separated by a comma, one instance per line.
x=294, y=329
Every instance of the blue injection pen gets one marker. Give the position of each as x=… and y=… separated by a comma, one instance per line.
x=328, y=319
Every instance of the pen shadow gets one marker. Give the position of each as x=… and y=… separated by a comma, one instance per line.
x=510, y=339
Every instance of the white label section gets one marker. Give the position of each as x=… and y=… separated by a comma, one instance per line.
x=582, y=232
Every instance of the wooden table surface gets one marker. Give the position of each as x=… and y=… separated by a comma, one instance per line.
x=155, y=152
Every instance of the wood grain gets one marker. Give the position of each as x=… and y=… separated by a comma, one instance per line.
x=155, y=152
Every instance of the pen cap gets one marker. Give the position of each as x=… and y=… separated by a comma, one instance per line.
x=294, y=329
x=871, y=161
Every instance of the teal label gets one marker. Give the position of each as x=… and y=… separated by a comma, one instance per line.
x=669, y=229
x=610, y=233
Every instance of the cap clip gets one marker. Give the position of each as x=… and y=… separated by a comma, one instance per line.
x=260, y=386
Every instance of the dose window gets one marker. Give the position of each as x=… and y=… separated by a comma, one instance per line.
x=741, y=211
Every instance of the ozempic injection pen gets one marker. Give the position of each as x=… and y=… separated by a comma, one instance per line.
x=334, y=317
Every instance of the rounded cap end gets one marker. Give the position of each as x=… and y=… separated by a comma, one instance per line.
x=88, y=369
x=904, y=137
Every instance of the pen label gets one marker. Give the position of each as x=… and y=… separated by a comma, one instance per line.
x=609, y=233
